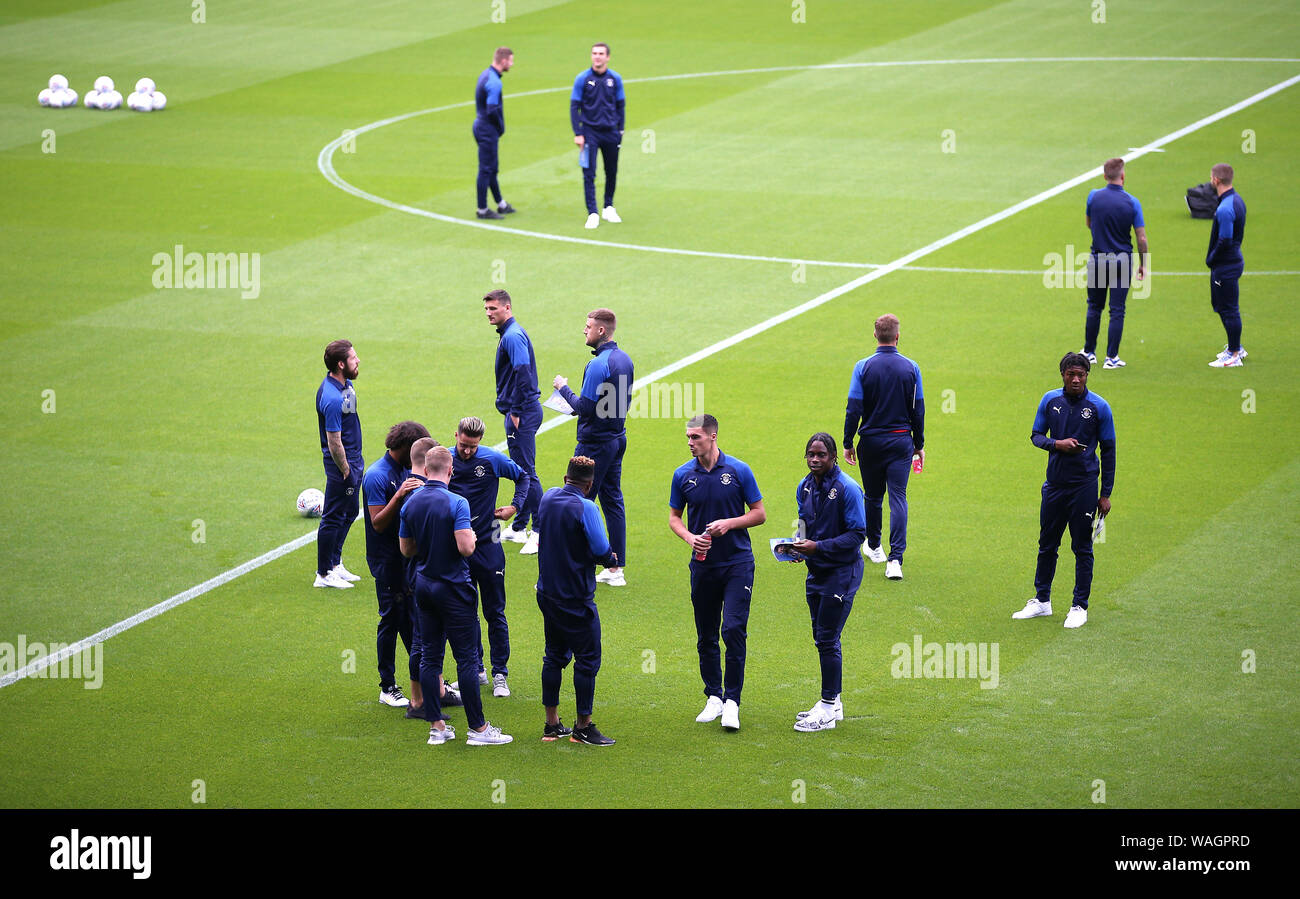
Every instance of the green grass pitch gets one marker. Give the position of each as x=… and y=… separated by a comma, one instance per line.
x=157, y=437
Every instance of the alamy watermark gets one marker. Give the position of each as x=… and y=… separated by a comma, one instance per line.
x=179, y=269
x=1082, y=269
x=661, y=399
x=86, y=665
x=946, y=660
x=75, y=852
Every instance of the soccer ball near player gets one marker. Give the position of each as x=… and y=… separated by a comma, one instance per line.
x=103, y=84
x=311, y=503
x=144, y=86
x=44, y=96
x=159, y=100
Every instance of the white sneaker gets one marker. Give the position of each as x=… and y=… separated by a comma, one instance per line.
x=1224, y=352
x=344, y=573
x=393, y=697
x=1115, y=362
x=1034, y=609
x=1076, y=617
x=331, y=580
x=439, y=736
x=730, y=715
x=593, y=222
x=499, y=687
x=1228, y=360
x=894, y=570
x=819, y=717
x=488, y=736
x=510, y=535
x=1091, y=357
x=610, y=215
x=837, y=707
x=482, y=677
x=712, y=709
x=876, y=555
x=613, y=578
x=530, y=545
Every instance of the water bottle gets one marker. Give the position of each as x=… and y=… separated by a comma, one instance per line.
x=700, y=556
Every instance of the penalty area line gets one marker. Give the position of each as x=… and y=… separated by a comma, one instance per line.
x=713, y=349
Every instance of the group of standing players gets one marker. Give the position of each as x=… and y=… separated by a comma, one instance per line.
x=434, y=536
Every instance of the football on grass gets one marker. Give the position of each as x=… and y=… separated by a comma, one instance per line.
x=311, y=502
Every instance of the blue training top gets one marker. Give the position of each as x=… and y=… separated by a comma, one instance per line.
x=606, y=395
x=336, y=410
x=516, y=370
x=572, y=539
x=597, y=101
x=487, y=99
x=431, y=516
x=1088, y=420
x=885, y=395
x=381, y=481
x=721, y=492
x=476, y=479
x=1112, y=213
x=833, y=513
x=1226, y=234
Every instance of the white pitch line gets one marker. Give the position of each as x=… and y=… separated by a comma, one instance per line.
x=154, y=611
x=711, y=350
x=1040, y=272
x=325, y=159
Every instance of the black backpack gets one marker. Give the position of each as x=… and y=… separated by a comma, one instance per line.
x=1202, y=200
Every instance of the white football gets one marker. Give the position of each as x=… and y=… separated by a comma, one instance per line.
x=58, y=82
x=103, y=84
x=110, y=100
x=139, y=102
x=159, y=100
x=144, y=86
x=92, y=99
x=65, y=98
x=311, y=503
x=44, y=97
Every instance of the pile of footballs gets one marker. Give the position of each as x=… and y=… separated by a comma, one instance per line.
x=145, y=98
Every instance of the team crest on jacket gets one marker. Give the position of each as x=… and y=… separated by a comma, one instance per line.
x=1086, y=413
x=726, y=478
x=479, y=471
x=609, y=82
x=835, y=491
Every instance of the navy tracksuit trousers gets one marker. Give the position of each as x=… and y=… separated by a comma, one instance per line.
x=1073, y=507
x=721, y=598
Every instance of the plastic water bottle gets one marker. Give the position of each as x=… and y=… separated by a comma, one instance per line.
x=701, y=556
x=582, y=157
x=917, y=461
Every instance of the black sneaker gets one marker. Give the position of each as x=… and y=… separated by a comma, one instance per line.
x=505, y=208
x=422, y=712
x=489, y=214
x=557, y=731
x=590, y=736
x=450, y=697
